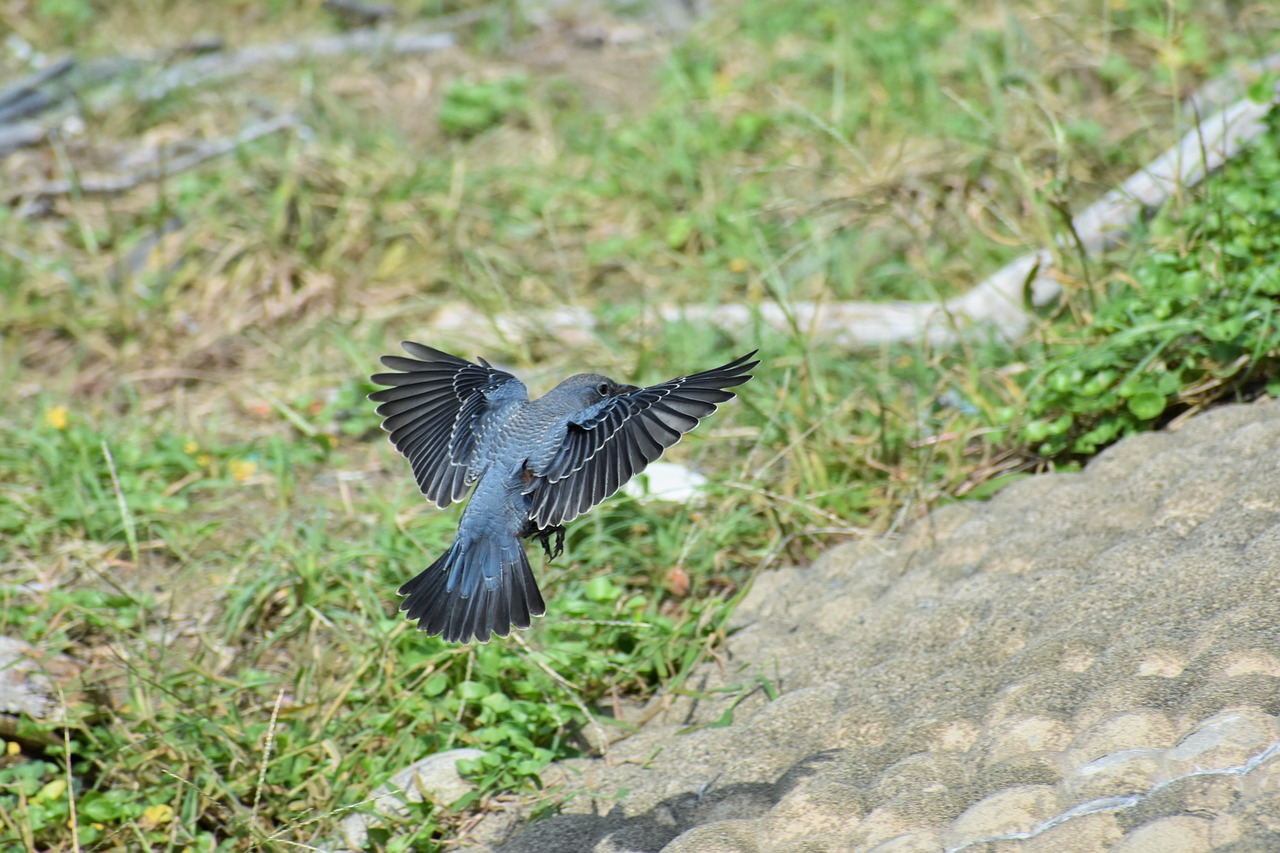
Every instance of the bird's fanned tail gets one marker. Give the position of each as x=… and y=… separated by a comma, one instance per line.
x=478, y=588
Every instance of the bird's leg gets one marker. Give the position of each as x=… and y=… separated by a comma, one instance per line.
x=543, y=535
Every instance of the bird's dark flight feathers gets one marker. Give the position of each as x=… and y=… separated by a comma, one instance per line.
x=435, y=413
x=609, y=443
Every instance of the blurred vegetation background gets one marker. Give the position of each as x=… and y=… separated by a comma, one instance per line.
x=196, y=504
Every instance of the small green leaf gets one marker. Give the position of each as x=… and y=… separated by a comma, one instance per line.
x=679, y=229
x=726, y=719
x=602, y=589
x=1147, y=405
x=99, y=808
x=1035, y=432
x=1263, y=90
x=497, y=702
x=472, y=690
x=1061, y=425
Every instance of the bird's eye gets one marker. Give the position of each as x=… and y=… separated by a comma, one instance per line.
x=603, y=389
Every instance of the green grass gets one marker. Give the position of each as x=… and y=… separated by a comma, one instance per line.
x=1188, y=320
x=196, y=502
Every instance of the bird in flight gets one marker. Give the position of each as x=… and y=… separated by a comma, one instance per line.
x=535, y=464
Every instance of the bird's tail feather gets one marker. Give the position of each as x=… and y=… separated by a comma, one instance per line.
x=478, y=587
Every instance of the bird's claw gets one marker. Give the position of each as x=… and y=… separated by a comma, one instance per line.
x=544, y=537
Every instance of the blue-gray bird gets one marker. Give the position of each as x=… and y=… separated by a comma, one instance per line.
x=536, y=465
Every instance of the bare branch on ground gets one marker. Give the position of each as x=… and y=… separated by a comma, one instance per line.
x=359, y=10
x=161, y=166
x=1000, y=302
x=214, y=67
x=54, y=92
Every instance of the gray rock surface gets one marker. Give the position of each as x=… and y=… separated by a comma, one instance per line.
x=1088, y=661
x=30, y=680
x=435, y=777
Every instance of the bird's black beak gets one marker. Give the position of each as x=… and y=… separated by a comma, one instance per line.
x=626, y=389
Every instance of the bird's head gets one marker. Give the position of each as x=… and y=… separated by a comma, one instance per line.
x=584, y=390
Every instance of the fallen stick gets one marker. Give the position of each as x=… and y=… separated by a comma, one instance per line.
x=46, y=92
x=214, y=67
x=1000, y=301
x=357, y=10
x=162, y=166
x=24, y=97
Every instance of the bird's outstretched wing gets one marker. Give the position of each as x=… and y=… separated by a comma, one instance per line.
x=436, y=411
x=609, y=443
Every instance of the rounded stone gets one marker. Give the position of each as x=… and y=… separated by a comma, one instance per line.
x=1255, y=692
x=1176, y=834
x=1166, y=663
x=882, y=825
x=1086, y=832
x=1013, y=810
x=1138, y=729
x=817, y=807
x=1127, y=771
x=435, y=776
x=920, y=771
x=1247, y=662
x=725, y=836
x=1014, y=737
x=1225, y=740
x=1263, y=778
x=955, y=736
x=1210, y=794
x=915, y=842
x=1129, y=694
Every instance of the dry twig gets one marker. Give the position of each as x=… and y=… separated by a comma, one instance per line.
x=53, y=92
x=1000, y=301
x=161, y=166
x=214, y=67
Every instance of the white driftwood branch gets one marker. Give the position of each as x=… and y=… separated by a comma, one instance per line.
x=213, y=67
x=999, y=302
x=1202, y=150
x=161, y=166
x=51, y=94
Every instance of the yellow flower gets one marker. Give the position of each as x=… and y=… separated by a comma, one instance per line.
x=738, y=265
x=12, y=748
x=56, y=417
x=51, y=791
x=190, y=447
x=153, y=816
x=204, y=460
x=241, y=469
